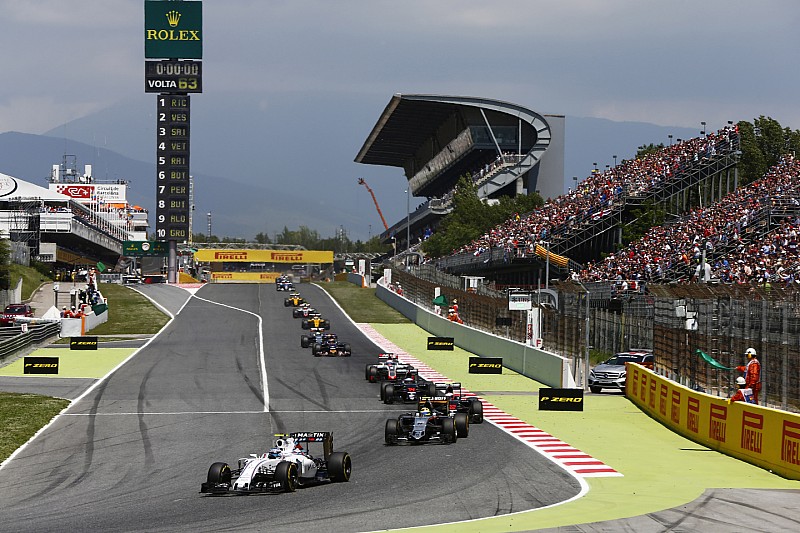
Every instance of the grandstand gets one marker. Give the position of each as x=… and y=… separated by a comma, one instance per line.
x=52, y=227
x=506, y=149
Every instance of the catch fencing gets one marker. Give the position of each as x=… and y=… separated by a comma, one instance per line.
x=675, y=321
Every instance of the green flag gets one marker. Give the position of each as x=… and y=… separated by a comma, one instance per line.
x=711, y=361
x=101, y=267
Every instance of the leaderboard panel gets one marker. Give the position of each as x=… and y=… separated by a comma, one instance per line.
x=172, y=168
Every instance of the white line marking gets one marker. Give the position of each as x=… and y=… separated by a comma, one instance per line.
x=262, y=359
x=181, y=413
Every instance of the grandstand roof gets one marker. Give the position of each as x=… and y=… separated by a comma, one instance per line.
x=12, y=188
x=411, y=119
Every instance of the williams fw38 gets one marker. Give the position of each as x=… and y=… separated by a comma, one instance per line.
x=285, y=467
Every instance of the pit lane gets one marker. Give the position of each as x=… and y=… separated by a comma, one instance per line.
x=131, y=455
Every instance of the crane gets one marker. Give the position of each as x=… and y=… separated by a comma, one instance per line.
x=364, y=183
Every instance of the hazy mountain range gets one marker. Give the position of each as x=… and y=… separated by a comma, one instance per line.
x=259, y=166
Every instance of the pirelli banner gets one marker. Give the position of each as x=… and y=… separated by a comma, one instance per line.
x=244, y=277
x=485, y=365
x=764, y=437
x=263, y=256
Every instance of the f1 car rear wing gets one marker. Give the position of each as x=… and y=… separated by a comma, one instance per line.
x=325, y=437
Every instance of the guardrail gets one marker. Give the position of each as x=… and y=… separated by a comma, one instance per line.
x=14, y=340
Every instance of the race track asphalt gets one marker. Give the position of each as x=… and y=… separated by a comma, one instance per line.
x=130, y=455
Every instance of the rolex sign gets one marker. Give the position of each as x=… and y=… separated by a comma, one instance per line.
x=173, y=30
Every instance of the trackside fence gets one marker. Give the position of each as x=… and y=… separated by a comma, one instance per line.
x=675, y=321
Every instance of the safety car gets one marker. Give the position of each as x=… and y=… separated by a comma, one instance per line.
x=330, y=346
x=430, y=423
x=388, y=368
x=285, y=467
x=294, y=300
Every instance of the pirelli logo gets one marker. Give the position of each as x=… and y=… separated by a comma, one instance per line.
x=790, y=443
x=40, y=365
x=283, y=257
x=441, y=343
x=560, y=399
x=83, y=343
x=718, y=422
x=752, y=431
x=485, y=365
x=693, y=414
x=230, y=256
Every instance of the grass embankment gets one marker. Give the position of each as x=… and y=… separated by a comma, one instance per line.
x=21, y=415
x=362, y=305
x=31, y=279
x=129, y=313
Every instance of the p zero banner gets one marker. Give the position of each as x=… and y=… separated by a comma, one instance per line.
x=83, y=343
x=40, y=365
x=485, y=365
x=263, y=256
x=173, y=30
x=441, y=343
x=761, y=436
x=560, y=399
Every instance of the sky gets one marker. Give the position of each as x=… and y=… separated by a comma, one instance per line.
x=671, y=63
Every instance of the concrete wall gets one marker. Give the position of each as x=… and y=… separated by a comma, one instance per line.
x=547, y=368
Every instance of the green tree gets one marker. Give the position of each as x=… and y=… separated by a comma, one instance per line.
x=5, y=265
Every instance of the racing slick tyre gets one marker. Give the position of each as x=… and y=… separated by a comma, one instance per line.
x=449, y=430
x=286, y=476
x=366, y=373
x=326, y=324
x=390, y=433
x=596, y=390
x=339, y=467
x=462, y=425
x=287, y=303
x=388, y=394
x=347, y=351
x=295, y=313
x=373, y=374
x=383, y=390
x=219, y=473
x=317, y=350
x=305, y=324
x=305, y=341
x=476, y=410
x=431, y=388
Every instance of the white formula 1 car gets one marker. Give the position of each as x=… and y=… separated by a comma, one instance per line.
x=284, y=468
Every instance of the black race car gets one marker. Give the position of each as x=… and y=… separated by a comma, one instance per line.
x=388, y=368
x=472, y=406
x=330, y=346
x=406, y=388
x=314, y=337
x=430, y=423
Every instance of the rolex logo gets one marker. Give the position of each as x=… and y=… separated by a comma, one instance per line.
x=173, y=17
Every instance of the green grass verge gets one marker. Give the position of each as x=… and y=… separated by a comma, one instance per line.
x=362, y=305
x=21, y=415
x=129, y=313
x=31, y=279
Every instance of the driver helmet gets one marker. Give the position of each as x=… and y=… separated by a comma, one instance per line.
x=424, y=412
x=298, y=449
x=274, y=453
